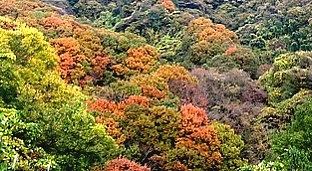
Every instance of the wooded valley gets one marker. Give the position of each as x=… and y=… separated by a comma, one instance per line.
x=155, y=85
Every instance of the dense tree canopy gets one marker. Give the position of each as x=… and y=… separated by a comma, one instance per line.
x=52, y=109
x=162, y=85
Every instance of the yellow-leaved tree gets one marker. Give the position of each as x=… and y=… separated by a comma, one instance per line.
x=32, y=85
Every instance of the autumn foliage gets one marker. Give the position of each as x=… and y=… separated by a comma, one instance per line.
x=122, y=164
x=198, y=135
x=70, y=66
x=138, y=60
x=168, y=4
x=109, y=94
x=75, y=66
x=133, y=122
x=231, y=50
x=205, y=40
x=189, y=93
x=103, y=106
x=141, y=59
x=155, y=84
x=53, y=22
x=152, y=92
x=170, y=72
x=193, y=117
x=205, y=30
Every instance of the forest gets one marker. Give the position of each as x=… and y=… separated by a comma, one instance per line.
x=155, y=85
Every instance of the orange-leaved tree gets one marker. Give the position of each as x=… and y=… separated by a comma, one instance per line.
x=71, y=59
x=197, y=139
x=122, y=164
x=195, y=147
x=75, y=66
x=138, y=60
x=157, y=81
x=110, y=113
x=205, y=29
x=168, y=4
x=205, y=39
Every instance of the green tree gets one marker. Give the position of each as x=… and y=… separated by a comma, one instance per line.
x=293, y=146
x=65, y=129
x=17, y=152
x=288, y=75
x=231, y=146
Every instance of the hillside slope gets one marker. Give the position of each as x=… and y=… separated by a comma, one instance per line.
x=155, y=85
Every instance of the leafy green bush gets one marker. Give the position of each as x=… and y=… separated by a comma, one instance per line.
x=231, y=147
x=264, y=166
x=18, y=151
x=289, y=73
x=293, y=146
